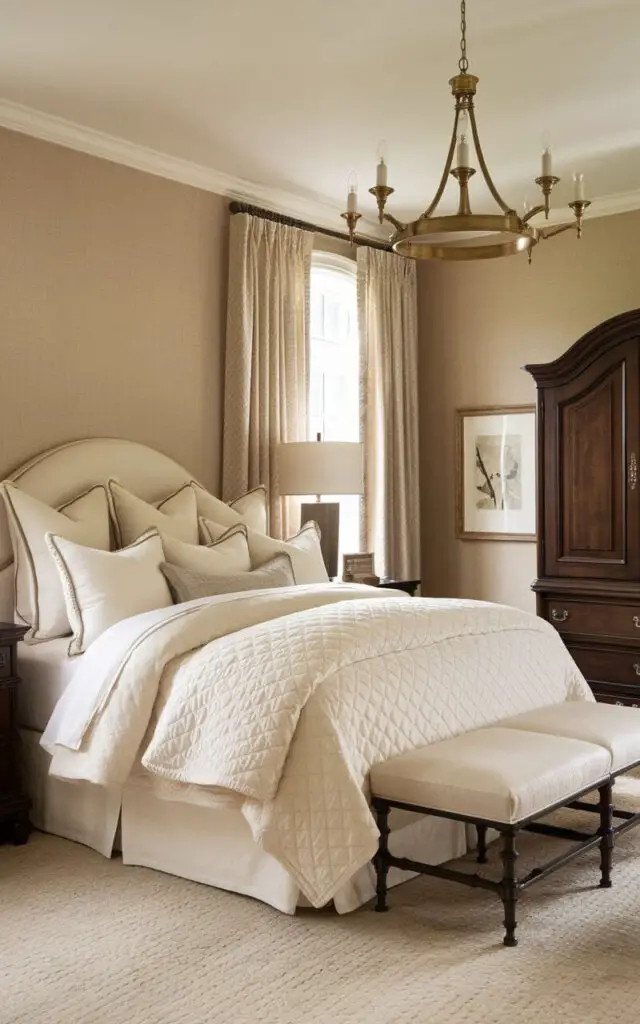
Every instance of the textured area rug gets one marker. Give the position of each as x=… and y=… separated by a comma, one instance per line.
x=84, y=940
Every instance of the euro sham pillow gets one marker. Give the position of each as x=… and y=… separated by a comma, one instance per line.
x=303, y=550
x=39, y=600
x=175, y=516
x=104, y=587
x=249, y=508
x=228, y=554
x=187, y=585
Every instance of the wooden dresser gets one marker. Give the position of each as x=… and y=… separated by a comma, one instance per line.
x=14, y=805
x=588, y=581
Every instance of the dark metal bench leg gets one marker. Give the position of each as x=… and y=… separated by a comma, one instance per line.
x=509, y=887
x=607, y=833
x=380, y=860
x=482, y=844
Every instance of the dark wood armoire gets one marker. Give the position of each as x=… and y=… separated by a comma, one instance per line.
x=588, y=583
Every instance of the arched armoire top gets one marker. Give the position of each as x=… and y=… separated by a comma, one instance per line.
x=589, y=347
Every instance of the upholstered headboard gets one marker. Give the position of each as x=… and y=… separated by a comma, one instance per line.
x=62, y=473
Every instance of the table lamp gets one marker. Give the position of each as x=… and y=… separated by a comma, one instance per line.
x=321, y=467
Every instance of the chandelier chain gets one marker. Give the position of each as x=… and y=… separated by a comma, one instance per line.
x=463, y=63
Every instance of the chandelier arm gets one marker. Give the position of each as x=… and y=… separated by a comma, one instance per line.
x=398, y=225
x=447, y=168
x=533, y=212
x=545, y=233
x=483, y=167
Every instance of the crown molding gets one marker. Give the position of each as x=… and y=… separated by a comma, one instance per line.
x=58, y=130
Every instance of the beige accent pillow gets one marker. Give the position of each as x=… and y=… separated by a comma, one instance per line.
x=39, y=599
x=303, y=550
x=228, y=554
x=186, y=585
x=176, y=516
x=104, y=587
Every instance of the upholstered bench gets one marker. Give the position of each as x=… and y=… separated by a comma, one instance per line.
x=503, y=778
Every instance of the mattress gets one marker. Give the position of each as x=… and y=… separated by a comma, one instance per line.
x=45, y=672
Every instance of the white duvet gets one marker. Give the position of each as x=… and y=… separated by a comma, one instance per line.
x=285, y=699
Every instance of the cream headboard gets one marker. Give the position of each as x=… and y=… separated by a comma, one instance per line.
x=62, y=473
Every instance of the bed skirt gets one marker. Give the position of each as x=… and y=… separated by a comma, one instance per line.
x=211, y=846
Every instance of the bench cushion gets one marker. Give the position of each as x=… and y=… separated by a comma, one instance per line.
x=496, y=774
x=610, y=726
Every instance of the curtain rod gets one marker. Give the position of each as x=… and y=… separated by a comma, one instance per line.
x=279, y=218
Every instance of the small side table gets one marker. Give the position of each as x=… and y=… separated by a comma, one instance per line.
x=409, y=586
x=14, y=804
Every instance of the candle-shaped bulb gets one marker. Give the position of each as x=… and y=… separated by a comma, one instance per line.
x=462, y=154
x=381, y=173
x=578, y=187
x=547, y=171
x=352, y=199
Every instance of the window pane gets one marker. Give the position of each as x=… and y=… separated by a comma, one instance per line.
x=334, y=387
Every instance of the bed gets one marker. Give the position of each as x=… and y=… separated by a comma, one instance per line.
x=160, y=817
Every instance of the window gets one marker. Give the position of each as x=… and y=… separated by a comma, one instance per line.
x=334, y=372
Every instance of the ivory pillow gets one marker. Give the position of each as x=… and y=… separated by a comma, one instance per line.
x=38, y=593
x=303, y=550
x=104, y=587
x=249, y=508
x=252, y=506
x=186, y=585
x=228, y=554
x=176, y=516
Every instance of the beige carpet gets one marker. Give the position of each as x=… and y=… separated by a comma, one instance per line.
x=84, y=940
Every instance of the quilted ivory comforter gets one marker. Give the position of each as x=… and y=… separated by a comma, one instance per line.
x=287, y=698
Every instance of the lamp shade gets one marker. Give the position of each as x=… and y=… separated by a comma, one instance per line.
x=320, y=467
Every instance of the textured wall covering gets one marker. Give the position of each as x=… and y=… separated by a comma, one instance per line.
x=112, y=305
x=479, y=324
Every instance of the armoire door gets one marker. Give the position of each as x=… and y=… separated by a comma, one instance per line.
x=591, y=487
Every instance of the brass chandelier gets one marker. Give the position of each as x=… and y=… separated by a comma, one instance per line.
x=466, y=235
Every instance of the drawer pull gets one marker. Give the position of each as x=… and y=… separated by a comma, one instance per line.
x=636, y=621
x=636, y=669
x=561, y=616
x=619, y=704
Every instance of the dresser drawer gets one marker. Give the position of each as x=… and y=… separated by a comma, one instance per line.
x=594, y=619
x=598, y=664
x=621, y=699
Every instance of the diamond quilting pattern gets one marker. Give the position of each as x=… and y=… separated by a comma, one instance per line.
x=294, y=712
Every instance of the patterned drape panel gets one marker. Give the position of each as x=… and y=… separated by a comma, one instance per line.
x=388, y=323
x=266, y=364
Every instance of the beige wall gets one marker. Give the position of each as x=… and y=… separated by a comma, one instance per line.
x=479, y=324
x=112, y=304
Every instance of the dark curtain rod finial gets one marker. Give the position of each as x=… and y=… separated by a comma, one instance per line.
x=255, y=211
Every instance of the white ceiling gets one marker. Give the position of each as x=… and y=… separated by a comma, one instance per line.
x=292, y=95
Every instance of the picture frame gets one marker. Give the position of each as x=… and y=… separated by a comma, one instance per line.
x=496, y=473
x=358, y=568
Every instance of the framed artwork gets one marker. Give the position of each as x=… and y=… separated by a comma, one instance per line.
x=496, y=473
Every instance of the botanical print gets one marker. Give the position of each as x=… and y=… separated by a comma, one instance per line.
x=496, y=473
x=499, y=471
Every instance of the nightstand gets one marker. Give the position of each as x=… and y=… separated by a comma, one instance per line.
x=409, y=586
x=14, y=805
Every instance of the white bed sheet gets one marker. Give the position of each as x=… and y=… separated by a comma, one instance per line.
x=45, y=672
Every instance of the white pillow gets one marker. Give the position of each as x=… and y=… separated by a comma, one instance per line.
x=38, y=594
x=228, y=554
x=104, y=587
x=252, y=506
x=176, y=516
x=303, y=550
x=249, y=508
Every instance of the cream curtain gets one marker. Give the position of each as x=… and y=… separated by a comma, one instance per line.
x=266, y=366
x=388, y=323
